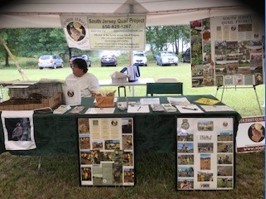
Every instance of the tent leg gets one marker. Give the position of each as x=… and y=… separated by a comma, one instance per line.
x=254, y=87
x=222, y=94
x=39, y=164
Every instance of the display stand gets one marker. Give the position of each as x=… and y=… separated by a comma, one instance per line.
x=106, y=151
x=235, y=87
x=205, y=154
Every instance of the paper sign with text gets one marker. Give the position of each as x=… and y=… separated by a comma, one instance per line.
x=117, y=33
x=251, y=134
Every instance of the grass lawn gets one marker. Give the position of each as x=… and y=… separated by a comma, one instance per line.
x=242, y=100
x=155, y=173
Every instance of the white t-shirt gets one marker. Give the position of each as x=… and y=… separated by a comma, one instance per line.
x=88, y=83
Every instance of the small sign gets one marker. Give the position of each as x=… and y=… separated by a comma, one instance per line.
x=251, y=134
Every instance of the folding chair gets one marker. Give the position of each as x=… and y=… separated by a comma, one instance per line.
x=164, y=88
x=123, y=88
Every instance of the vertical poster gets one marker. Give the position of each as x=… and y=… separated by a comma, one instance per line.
x=205, y=154
x=227, y=50
x=106, y=151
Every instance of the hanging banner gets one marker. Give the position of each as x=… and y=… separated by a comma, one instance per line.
x=76, y=31
x=117, y=33
x=227, y=50
x=251, y=134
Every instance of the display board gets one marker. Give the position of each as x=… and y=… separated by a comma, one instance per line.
x=106, y=151
x=205, y=154
x=227, y=50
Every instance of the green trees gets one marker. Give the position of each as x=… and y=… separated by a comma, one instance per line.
x=162, y=37
x=33, y=42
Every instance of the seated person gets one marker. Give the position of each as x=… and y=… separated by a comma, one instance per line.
x=88, y=83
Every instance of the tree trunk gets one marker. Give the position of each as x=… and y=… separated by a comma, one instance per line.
x=6, y=59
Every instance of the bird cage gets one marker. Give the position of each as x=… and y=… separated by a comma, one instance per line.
x=30, y=95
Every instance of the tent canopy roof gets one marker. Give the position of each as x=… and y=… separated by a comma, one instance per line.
x=46, y=13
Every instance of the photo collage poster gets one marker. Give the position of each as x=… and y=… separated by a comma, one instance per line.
x=106, y=151
x=227, y=50
x=205, y=154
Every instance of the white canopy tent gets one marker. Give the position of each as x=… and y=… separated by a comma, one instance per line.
x=46, y=13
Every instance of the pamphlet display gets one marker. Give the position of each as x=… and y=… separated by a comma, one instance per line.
x=205, y=154
x=106, y=151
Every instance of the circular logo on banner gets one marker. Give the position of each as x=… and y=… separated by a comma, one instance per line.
x=256, y=132
x=76, y=30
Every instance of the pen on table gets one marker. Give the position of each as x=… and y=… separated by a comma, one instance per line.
x=139, y=108
x=192, y=109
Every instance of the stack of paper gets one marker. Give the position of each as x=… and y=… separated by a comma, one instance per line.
x=62, y=109
x=216, y=108
x=149, y=101
x=138, y=109
x=178, y=101
x=192, y=108
x=100, y=111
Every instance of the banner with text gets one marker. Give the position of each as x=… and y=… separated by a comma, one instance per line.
x=117, y=33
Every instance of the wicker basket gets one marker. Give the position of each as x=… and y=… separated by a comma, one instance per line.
x=118, y=78
x=105, y=101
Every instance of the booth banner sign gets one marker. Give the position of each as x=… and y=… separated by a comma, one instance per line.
x=106, y=151
x=251, y=134
x=227, y=50
x=18, y=130
x=117, y=33
x=205, y=154
x=76, y=31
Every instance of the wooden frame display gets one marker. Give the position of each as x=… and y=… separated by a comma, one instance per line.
x=205, y=154
x=106, y=151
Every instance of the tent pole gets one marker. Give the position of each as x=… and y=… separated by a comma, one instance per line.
x=20, y=70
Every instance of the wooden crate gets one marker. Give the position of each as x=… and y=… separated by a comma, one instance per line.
x=52, y=102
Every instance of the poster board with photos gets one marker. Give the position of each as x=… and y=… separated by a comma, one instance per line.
x=106, y=151
x=205, y=154
x=227, y=50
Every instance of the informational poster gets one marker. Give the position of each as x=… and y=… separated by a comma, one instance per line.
x=251, y=134
x=106, y=151
x=227, y=50
x=117, y=33
x=76, y=31
x=205, y=154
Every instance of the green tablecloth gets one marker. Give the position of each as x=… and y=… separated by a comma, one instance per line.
x=154, y=131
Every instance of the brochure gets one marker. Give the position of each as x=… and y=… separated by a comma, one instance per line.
x=207, y=101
